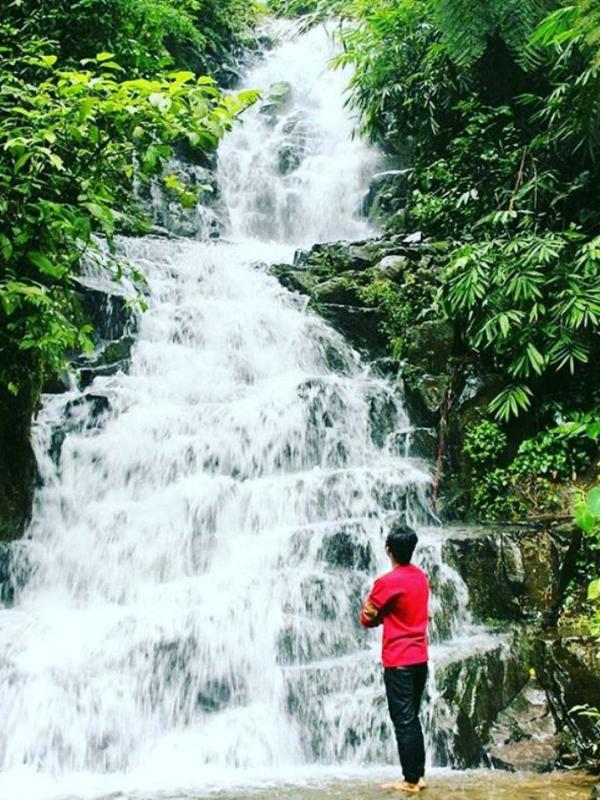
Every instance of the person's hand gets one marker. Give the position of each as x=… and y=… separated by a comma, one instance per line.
x=370, y=612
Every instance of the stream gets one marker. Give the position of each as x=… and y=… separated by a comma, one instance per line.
x=204, y=533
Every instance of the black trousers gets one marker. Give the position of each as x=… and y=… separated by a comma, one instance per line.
x=404, y=688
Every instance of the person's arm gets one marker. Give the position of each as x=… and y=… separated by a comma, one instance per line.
x=374, y=607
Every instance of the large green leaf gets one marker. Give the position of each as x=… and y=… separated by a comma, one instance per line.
x=593, y=502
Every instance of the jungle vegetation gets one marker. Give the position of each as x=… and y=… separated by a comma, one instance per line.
x=94, y=95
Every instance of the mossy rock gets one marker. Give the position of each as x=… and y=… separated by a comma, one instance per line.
x=277, y=99
x=388, y=192
x=514, y=572
x=341, y=290
x=360, y=326
x=568, y=667
x=430, y=346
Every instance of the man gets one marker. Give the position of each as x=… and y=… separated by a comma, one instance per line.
x=400, y=600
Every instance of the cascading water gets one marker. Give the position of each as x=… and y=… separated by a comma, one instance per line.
x=203, y=537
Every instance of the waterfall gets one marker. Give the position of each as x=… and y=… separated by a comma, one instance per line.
x=203, y=534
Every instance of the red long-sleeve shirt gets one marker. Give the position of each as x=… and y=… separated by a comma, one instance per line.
x=401, y=599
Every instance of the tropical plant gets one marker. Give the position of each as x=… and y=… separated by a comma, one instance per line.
x=587, y=517
x=469, y=26
x=531, y=301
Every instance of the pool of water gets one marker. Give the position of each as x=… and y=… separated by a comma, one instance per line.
x=475, y=785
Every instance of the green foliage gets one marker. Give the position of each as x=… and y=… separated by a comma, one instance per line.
x=484, y=443
x=468, y=26
x=297, y=8
x=587, y=517
x=71, y=143
x=144, y=35
x=403, y=301
x=528, y=484
x=531, y=301
x=404, y=84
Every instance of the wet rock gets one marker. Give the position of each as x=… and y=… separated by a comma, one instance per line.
x=478, y=389
x=106, y=304
x=342, y=549
x=429, y=391
x=14, y=569
x=383, y=418
x=198, y=213
x=17, y=460
x=385, y=367
x=339, y=290
x=476, y=689
x=524, y=735
x=87, y=409
x=173, y=667
x=423, y=443
x=294, y=279
x=110, y=359
x=277, y=99
x=342, y=256
x=387, y=193
x=568, y=667
x=430, y=346
x=87, y=375
x=289, y=158
x=361, y=326
x=514, y=572
x=293, y=149
x=392, y=267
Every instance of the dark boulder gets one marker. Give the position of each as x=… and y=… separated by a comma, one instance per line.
x=524, y=735
x=388, y=193
x=340, y=290
x=476, y=689
x=360, y=326
x=107, y=306
x=110, y=359
x=17, y=460
x=14, y=569
x=430, y=345
x=568, y=667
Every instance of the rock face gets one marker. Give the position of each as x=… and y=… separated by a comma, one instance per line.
x=519, y=574
x=14, y=570
x=569, y=669
x=277, y=99
x=334, y=274
x=17, y=461
x=514, y=572
x=524, y=736
x=387, y=195
x=195, y=209
x=477, y=689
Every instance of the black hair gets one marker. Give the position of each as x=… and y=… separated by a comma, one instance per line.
x=401, y=542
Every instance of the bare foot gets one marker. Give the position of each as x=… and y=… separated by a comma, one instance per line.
x=403, y=786
x=422, y=783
